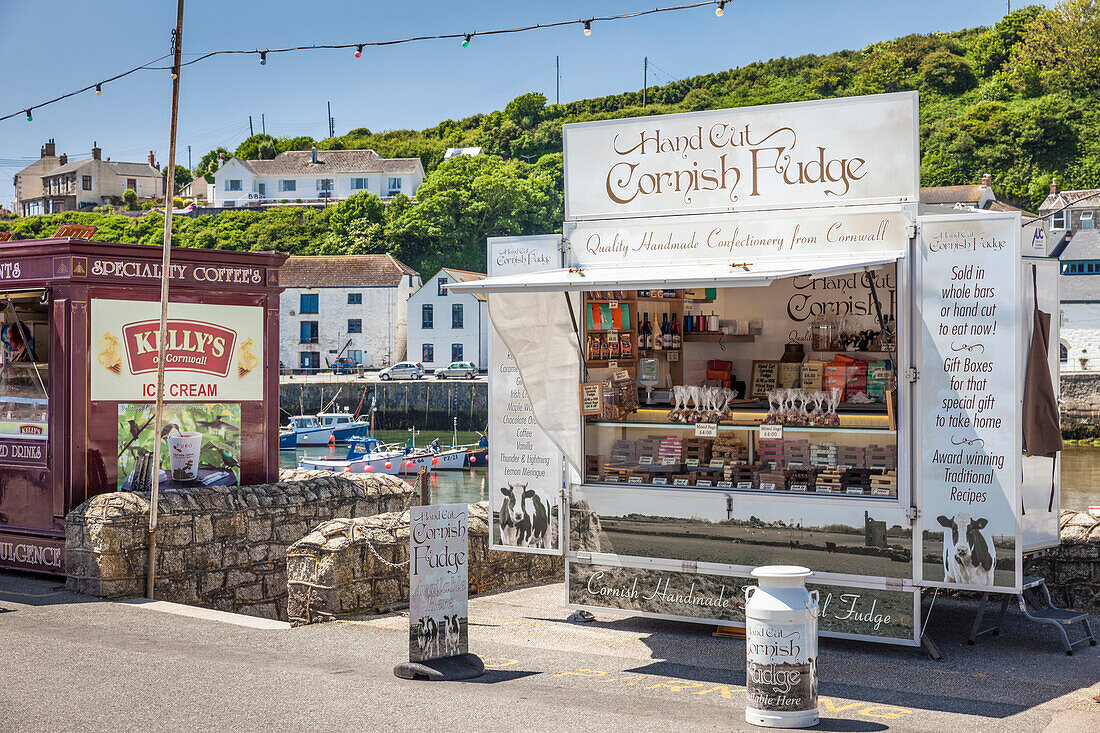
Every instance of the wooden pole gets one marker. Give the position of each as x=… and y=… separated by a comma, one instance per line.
x=425, y=488
x=165, y=272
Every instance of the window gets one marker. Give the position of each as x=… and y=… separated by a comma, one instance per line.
x=233, y=184
x=1086, y=220
x=355, y=356
x=427, y=353
x=355, y=299
x=426, y=316
x=456, y=352
x=132, y=183
x=394, y=186
x=1063, y=354
x=355, y=325
x=441, y=286
x=308, y=332
x=324, y=184
x=308, y=303
x=358, y=184
x=1058, y=220
x=262, y=189
x=456, y=315
x=86, y=183
x=309, y=360
x=288, y=185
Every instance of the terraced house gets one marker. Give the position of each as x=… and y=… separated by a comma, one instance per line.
x=311, y=176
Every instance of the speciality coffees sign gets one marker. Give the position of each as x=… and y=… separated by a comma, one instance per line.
x=525, y=468
x=212, y=353
x=969, y=392
x=439, y=571
x=842, y=151
x=128, y=269
x=739, y=237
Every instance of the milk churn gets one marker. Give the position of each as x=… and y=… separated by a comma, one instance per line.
x=781, y=648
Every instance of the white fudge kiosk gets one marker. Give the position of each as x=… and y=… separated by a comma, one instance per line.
x=841, y=372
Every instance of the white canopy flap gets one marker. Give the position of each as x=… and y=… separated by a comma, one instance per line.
x=685, y=275
x=538, y=330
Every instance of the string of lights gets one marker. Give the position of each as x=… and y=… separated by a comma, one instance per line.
x=466, y=38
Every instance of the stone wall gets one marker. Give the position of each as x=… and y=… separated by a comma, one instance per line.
x=334, y=571
x=426, y=403
x=1080, y=393
x=1072, y=570
x=218, y=547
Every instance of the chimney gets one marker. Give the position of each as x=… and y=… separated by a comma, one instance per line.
x=1053, y=186
x=97, y=154
x=152, y=160
x=987, y=180
x=221, y=160
x=49, y=150
x=63, y=159
x=313, y=153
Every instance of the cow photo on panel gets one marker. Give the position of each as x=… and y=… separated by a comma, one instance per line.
x=526, y=517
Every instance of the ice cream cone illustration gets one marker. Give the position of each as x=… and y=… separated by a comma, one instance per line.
x=246, y=358
x=110, y=353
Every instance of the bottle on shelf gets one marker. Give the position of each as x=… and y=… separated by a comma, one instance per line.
x=666, y=332
x=677, y=339
x=644, y=333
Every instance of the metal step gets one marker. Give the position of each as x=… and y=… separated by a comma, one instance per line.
x=1061, y=615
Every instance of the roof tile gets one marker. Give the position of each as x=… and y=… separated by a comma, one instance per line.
x=344, y=271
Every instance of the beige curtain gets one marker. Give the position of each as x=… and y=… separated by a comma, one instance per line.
x=538, y=331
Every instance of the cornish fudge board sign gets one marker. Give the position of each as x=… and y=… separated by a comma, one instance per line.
x=439, y=570
x=857, y=150
x=968, y=401
x=214, y=353
x=525, y=470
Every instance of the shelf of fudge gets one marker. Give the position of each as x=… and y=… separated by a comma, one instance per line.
x=792, y=465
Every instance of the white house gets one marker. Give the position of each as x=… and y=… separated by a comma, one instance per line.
x=446, y=327
x=350, y=306
x=314, y=175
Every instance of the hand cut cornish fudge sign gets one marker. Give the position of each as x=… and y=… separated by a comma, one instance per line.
x=213, y=352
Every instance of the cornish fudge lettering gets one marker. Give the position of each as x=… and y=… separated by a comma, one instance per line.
x=969, y=383
x=438, y=581
x=843, y=151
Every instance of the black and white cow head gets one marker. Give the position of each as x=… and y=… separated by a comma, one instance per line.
x=968, y=545
x=511, y=509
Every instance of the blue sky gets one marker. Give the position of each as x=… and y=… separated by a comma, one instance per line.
x=50, y=48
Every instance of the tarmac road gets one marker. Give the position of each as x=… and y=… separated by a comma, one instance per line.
x=71, y=663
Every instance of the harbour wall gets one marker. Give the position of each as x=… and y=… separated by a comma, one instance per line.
x=425, y=404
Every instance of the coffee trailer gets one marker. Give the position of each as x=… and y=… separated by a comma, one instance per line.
x=79, y=324
x=762, y=251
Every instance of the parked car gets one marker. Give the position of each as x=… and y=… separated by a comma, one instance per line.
x=410, y=369
x=343, y=365
x=457, y=369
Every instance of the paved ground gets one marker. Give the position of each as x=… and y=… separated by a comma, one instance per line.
x=69, y=663
x=367, y=378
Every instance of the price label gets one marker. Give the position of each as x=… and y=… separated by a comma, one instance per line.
x=725, y=484
x=645, y=460
x=854, y=490
x=660, y=481
x=799, y=487
x=621, y=375
x=613, y=337
x=591, y=398
x=704, y=482
x=692, y=463
x=771, y=432
x=844, y=467
x=612, y=365
x=668, y=461
x=613, y=304
x=673, y=355
x=767, y=487
x=824, y=489
x=744, y=484
x=880, y=492
x=634, y=479
x=706, y=430
x=612, y=478
x=681, y=482
x=717, y=463
x=796, y=465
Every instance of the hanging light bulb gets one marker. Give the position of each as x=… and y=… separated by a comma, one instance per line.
x=721, y=9
x=587, y=27
x=263, y=58
x=99, y=90
x=30, y=118
x=466, y=41
x=359, y=51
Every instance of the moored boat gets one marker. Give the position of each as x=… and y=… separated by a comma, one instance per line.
x=344, y=426
x=307, y=430
x=365, y=455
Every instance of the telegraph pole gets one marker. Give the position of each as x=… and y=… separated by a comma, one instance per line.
x=645, y=78
x=557, y=80
x=263, y=123
x=251, y=132
x=331, y=126
x=165, y=270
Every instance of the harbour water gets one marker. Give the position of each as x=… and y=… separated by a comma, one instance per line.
x=1080, y=473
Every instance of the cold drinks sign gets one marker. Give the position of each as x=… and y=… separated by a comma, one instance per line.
x=858, y=150
x=212, y=353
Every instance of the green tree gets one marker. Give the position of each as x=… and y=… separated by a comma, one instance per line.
x=991, y=49
x=1063, y=47
x=130, y=199
x=526, y=109
x=946, y=73
x=256, y=147
x=882, y=72
x=208, y=163
x=183, y=177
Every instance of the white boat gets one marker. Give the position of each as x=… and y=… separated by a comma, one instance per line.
x=366, y=455
x=448, y=459
x=344, y=426
x=307, y=430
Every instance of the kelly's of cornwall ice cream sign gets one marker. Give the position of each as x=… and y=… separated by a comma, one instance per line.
x=211, y=352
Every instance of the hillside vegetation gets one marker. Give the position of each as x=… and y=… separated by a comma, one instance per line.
x=1018, y=100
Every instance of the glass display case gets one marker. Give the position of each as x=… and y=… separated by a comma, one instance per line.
x=754, y=390
x=24, y=367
